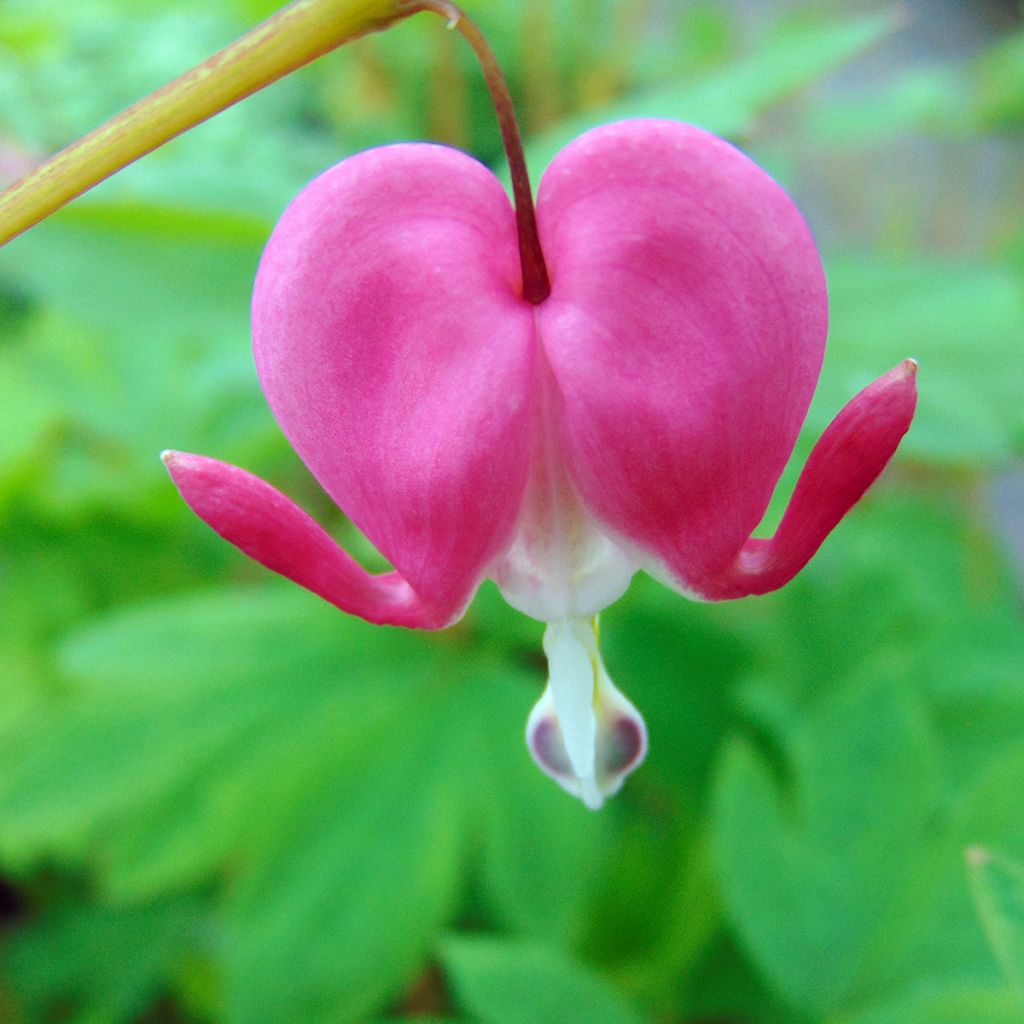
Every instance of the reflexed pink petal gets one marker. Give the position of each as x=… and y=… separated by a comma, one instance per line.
x=397, y=356
x=272, y=529
x=685, y=329
x=844, y=463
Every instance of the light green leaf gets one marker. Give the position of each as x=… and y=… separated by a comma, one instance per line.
x=943, y=1005
x=999, y=85
x=292, y=683
x=944, y=942
x=339, y=768
x=997, y=885
x=501, y=982
x=957, y=101
x=541, y=848
x=255, y=636
x=964, y=324
x=419, y=1019
x=810, y=874
x=74, y=769
x=365, y=873
x=728, y=101
x=142, y=268
x=933, y=99
x=27, y=415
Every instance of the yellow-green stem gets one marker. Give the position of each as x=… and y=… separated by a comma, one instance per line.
x=296, y=35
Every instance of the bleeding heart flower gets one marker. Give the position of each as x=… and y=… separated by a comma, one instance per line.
x=638, y=417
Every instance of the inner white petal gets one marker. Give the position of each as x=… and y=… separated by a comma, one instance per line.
x=573, y=681
x=553, y=575
x=583, y=732
x=561, y=565
x=563, y=569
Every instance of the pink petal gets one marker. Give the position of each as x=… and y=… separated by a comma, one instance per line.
x=272, y=529
x=397, y=356
x=685, y=329
x=844, y=463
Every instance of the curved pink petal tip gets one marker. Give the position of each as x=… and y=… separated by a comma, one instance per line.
x=847, y=459
x=269, y=527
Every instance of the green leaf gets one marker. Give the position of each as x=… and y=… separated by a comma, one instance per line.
x=945, y=942
x=949, y=613
x=337, y=767
x=419, y=1019
x=132, y=266
x=99, y=403
x=999, y=85
x=540, y=847
x=251, y=637
x=366, y=888
x=106, y=962
x=658, y=948
x=943, y=1005
x=958, y=101
x=28, y=414
x=997, y=885
x=71, y=771
x=932, y=99
x=962, y=322
x=257, y=684
x=501, y=982
x=727, y=102
x=810, y=874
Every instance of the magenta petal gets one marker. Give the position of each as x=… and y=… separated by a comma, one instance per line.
x=685, y=330
x=844, y=463
x=397, y=356
x=273, y=530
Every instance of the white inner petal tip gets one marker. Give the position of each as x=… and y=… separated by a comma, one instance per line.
x=572, y=677
x=590, y=794
x=583, y=732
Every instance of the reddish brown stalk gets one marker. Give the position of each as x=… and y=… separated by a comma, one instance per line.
x=536, y=284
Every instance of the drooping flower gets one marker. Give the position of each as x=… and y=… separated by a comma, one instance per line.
x=637, y=418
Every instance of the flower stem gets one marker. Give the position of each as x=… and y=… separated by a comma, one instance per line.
x=294, y=36
x=536, y=284
x=289, y=39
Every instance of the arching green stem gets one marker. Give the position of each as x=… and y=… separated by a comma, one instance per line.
x=296, y=35
x=291, y=38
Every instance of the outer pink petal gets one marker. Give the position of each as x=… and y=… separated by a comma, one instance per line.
x=844, y=463
x=685, y=329
x=272, y=529
x=397, y=356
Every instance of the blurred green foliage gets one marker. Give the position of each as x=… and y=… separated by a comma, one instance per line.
x=222, y=801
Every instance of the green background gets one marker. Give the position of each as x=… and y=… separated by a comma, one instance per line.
x=223, y=801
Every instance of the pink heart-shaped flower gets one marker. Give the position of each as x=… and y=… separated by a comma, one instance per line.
x=638, y=417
